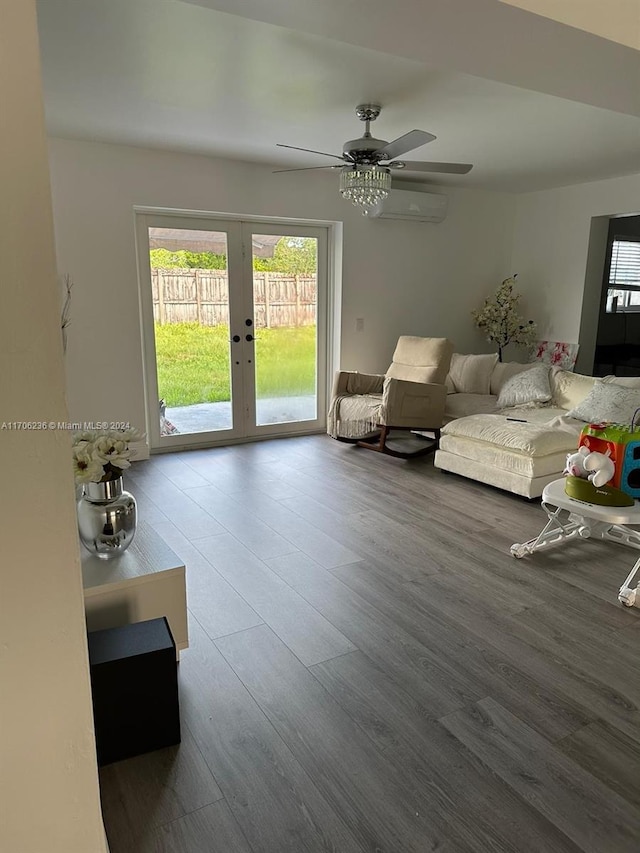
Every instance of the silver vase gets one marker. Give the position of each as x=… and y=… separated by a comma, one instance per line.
x=107, y=518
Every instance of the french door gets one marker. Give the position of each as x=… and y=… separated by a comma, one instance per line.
x=234, y=318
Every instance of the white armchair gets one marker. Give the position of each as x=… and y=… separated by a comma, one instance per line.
x=410, y=396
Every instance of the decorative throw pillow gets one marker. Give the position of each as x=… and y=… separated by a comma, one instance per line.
x=625, y=381
x=471, y=374
x=529, y=386
x=504, y=370
x=568, y=390
x=607, y=402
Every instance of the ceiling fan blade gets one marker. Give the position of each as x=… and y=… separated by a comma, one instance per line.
x=311, y=151
x=305, y=169
x=417, y=166
x=399, y=146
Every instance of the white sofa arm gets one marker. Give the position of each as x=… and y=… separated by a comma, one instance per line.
x=412, y=404
x=352, y=382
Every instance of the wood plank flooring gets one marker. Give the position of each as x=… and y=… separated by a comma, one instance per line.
x=370, y=670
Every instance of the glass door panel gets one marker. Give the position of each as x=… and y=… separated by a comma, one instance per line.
x=285, y=303
x=190, y=293
x=234, y=328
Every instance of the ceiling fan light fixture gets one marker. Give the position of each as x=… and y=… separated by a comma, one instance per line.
x=365, y=185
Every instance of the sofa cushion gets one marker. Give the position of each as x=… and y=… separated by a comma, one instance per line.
x=504, y=370
x=607, y=402
x=530, y=386
x=530, y=437
x=461, y=405
x=568, y=389
x=471, y=374
x=421, y=359
x=504, y=459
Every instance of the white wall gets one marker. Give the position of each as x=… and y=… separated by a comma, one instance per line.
x=402, y=278
x=49, y=785
x=551, y=246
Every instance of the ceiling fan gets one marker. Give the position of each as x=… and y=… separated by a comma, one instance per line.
x=366, y=163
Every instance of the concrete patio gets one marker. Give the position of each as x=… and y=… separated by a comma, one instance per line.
x=207, y=417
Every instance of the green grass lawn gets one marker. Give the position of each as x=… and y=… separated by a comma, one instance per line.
x=193, y=362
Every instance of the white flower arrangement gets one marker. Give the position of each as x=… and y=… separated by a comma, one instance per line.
x=499, y=320
x=102, y=456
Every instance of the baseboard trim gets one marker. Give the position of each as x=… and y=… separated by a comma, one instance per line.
x=139, y=450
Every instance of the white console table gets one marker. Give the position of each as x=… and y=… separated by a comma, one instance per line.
x=146, y=582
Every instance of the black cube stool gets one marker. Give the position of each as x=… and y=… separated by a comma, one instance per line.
x=134, y=683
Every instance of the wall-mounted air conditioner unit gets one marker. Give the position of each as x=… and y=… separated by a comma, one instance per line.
x=406, y=204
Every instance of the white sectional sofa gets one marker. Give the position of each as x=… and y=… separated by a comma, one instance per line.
x=499, y=430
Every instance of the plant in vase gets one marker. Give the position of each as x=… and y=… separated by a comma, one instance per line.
x=107, y=514
x=500, y=321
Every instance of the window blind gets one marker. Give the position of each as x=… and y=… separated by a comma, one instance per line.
x=625, y=263
x=623, y=293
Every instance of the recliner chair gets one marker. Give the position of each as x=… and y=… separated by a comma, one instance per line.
x=410, y=396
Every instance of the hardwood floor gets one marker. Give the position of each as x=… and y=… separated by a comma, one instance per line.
x=370, y=670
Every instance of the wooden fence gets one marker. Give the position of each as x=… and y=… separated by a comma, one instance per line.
x=202, y=296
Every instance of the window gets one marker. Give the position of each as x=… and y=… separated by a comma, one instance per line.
x=623, y=293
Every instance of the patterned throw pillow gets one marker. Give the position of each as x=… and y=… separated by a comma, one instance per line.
x=607, y=402
x=625, y=381
x=504, y=370
x=568, y=390
x=531, y=386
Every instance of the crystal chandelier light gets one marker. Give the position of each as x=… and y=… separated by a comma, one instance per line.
x=365, y=185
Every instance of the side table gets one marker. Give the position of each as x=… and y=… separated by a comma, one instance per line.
x=146, y=582
x=569, y=518
x=134, y=687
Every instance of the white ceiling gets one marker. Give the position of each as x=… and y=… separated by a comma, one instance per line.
x=618, y=20
x=188, y=77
